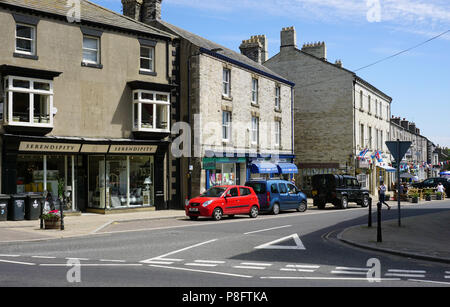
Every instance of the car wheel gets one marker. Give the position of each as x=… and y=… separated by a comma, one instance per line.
x=194, y=218
x=302, y=206
x=344, y=202
x=276, y=209
x=217, y=214
x=254, y=212
x=365, y=201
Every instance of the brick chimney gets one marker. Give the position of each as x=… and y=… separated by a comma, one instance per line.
x=132, y=8
x=395, y=120
x=288, y=37
x=255, y=48
x=412, y=127
x=319, y=50
x=405, y=124
x=151, y=10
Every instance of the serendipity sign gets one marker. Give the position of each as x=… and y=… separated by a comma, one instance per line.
x=133, y=149
x=53, y=147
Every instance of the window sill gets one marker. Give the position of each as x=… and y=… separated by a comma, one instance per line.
x=148, y=73
x=92, y=65
x=255, y=105
x=278, y=110
x=25, y=56
x=361, y=109
x=227, y=98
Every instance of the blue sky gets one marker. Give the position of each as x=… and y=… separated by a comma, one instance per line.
x=359, y=32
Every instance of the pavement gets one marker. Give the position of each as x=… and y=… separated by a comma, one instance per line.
x=424, y=237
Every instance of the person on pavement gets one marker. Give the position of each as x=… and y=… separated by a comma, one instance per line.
x=441, y=189
x=382, y=194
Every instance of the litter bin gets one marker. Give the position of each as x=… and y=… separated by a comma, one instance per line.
x=33, y=206
x=4, y=200
x=16, y=209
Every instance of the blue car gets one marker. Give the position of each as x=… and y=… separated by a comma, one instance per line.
x=275, y=195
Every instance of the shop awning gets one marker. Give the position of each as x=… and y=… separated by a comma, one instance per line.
x=287, y=168
x=388, y=168
x=263, y=168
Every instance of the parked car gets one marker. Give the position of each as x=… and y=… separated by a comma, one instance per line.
x=276, y=195
x=224, y=200
x=433, y=183
x=338, y=190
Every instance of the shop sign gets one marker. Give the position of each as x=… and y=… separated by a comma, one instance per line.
x=53, y=147
x=90, y=148
x=210, y=163
x=133, y=149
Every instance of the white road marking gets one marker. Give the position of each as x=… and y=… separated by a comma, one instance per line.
x=158, y=262
x=201, y=264
x=210, y=261
x=405, y=275
x=430, y=281
x=44, y=257
x=178, y=251
x=17, y=262
x=407, y=271
x=9, y=255
x=90, y=264
x=256, y=264
x=272, y=245
x=262, y=230
x=108, y=260
x=73, y=258
x=326, y=278
x=249, y=267
x=303, y=266
x=201, y=271
x=340, y=268
x=348, y=273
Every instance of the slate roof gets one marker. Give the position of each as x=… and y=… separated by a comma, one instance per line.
x=228, y=53
x=90, y=13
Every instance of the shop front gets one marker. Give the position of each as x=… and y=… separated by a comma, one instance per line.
x=86, y=175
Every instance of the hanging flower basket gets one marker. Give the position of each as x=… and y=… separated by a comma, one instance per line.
x=52, y=220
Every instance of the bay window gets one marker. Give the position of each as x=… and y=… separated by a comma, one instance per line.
x=28, y=102
x=151, y=111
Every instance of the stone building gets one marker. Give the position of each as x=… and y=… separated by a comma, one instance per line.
x=341, y=120
x=417, y=160
x=84, y=118
x=238, y=111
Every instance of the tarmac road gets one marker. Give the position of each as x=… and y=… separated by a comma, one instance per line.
x=291, y=249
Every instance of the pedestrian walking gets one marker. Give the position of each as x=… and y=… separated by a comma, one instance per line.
x=441, y=189
x=382, y=195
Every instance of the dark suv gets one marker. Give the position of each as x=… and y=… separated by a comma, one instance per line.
x=433, y=183
x=338, y=190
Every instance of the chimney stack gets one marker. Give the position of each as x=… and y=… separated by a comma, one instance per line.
x=132, y=8
x=319, y=50
x=151, y=10
x=339, y=63
x=288, y=37
x=255, y=48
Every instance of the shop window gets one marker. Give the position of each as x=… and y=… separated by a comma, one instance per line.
x=151, y=111
x=29, y=101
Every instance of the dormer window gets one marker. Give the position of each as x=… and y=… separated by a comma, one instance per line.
x=28, y=102
x=151, y=111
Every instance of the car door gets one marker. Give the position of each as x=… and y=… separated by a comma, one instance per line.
x=356, y=194
x=245, y=200
x=293, y=196
x=231, y=201
x=284, y=195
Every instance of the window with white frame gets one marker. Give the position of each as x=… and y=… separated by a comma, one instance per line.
x=151, y=111
x=255, y=130
x=277, y=97
x=226, y=126
x=25, y=39
x=91, y=49
x=28, y=102
x=277, y=133
x=361, y=100
x=255, y=91
x=369, y=104
x=361, y=136
x=226, y=82
x=147, y=58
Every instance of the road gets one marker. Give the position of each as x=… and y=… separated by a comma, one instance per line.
x=291, y=249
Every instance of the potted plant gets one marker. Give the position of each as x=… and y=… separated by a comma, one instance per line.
x=52, y=219
x=427, y=195
x=415, y=197
x=439, y=195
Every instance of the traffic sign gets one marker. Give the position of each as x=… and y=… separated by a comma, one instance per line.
x=398, y=149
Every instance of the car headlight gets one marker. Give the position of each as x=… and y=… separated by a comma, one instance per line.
x=207, y=203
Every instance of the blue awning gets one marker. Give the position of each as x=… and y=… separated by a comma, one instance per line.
x=263, y=168
x=287, y=168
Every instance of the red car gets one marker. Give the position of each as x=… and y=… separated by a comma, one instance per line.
x=224, y=200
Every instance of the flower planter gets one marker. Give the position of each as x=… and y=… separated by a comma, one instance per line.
x=428, y=197
x=415, y=200
x=52, y=224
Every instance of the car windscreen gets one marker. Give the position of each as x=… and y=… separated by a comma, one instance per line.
x=214, y=192
x=258, y=187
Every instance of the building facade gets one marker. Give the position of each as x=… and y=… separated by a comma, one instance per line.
x=84, y=118
x=341, y=121
x=237, y=111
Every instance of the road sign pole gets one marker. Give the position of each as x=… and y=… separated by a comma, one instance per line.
x=379, y=235
x=398, y=158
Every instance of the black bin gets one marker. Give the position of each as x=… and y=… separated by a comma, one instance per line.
x=16, y=209
x=33, y=206
x=4, y=200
